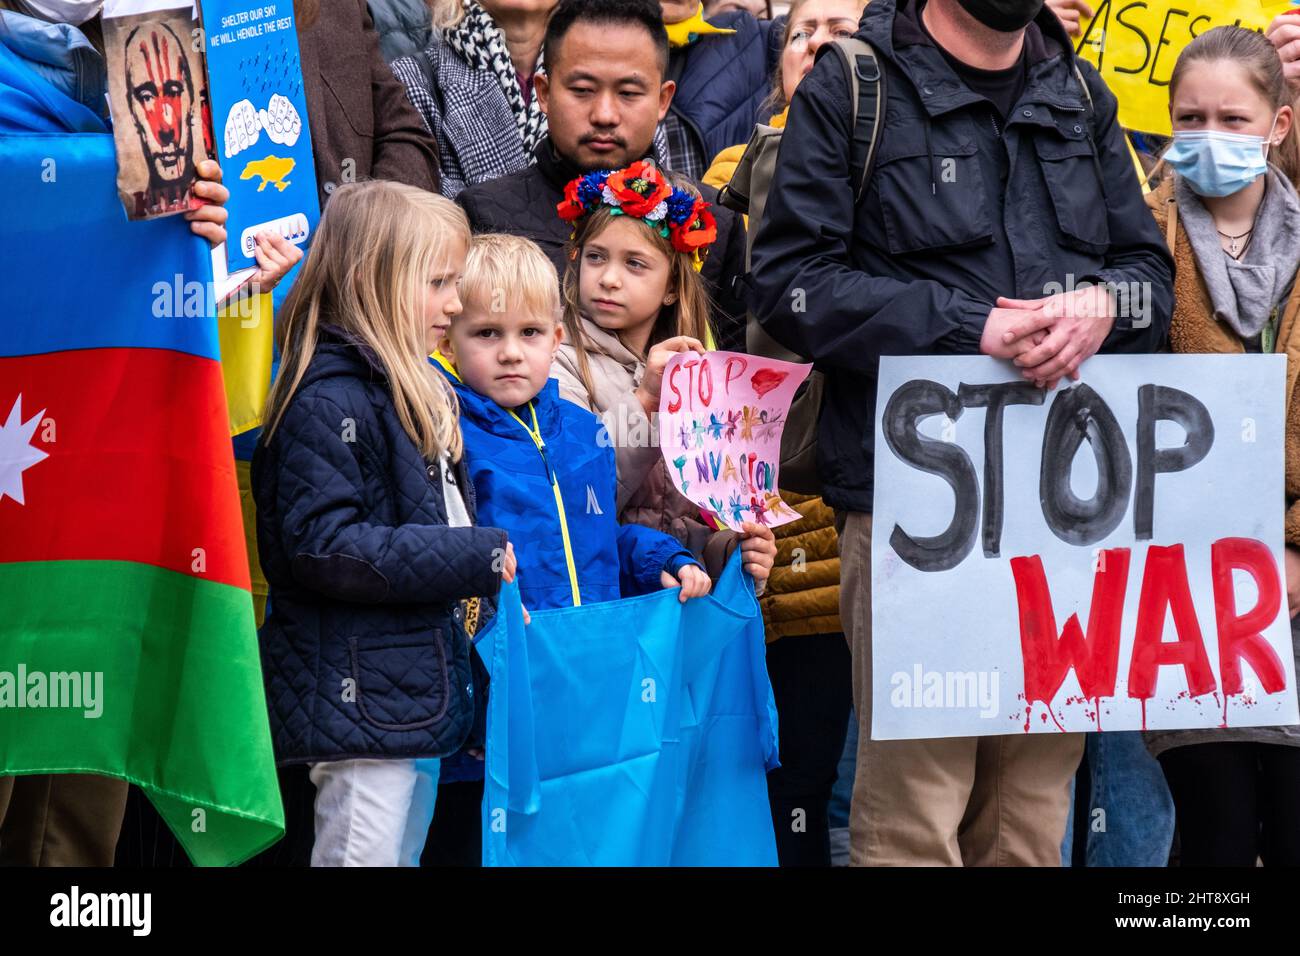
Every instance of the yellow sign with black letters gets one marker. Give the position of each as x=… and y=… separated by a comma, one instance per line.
x=1135, y=43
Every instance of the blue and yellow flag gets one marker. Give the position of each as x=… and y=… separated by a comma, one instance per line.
x=244, y=328
x=631, y=733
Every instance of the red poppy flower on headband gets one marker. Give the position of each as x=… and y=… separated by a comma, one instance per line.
x=570, y=207
x=698, y=232
x=639, y=188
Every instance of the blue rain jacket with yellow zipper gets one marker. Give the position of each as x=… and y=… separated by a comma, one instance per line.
x=542, y=473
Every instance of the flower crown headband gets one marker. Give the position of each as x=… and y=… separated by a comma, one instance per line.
x=640, y=191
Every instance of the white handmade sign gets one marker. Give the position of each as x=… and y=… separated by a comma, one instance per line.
x=1105, y=556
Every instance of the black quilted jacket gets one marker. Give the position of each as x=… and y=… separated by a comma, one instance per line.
x=364, y=649
x=523, y=204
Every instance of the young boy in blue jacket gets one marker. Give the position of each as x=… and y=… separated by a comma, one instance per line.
x=539, y=466
x=541, y=472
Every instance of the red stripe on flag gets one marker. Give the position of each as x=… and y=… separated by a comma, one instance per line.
x=140, y=466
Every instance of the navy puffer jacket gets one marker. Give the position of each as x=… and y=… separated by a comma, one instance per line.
x=364, y=649
x=723, y=79
x=404, y=26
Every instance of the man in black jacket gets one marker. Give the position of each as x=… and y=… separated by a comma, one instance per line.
x=603, y=91
x=1001, y=176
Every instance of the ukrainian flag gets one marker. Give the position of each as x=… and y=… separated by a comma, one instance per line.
x=244, y=330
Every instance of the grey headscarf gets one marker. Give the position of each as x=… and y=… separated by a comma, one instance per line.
x=1244, y=292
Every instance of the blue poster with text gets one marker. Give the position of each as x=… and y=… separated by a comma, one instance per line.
x=259, y=119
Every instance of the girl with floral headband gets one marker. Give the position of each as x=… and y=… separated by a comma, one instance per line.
x=633, y=297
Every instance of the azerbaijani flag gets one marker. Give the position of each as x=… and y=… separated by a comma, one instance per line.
x=127, y=641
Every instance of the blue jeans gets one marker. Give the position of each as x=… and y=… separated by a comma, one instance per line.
x=842, y=792
x=1131, y=814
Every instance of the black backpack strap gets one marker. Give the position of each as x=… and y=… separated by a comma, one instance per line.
x=866, y=83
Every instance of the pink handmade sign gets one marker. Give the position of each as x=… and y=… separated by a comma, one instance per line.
x=720, y=421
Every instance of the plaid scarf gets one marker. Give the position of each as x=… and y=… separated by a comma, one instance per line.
x=480, y=42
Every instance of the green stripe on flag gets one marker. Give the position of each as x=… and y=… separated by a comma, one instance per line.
x=180, y=700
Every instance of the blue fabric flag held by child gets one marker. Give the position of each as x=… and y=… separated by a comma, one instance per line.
x=630, y=733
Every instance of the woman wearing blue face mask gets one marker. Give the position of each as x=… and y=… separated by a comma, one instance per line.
x=1231, y=216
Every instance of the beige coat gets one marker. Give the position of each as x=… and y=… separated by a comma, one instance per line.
x=646, y=495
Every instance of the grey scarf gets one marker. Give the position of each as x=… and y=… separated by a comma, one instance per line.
x=1244, y=292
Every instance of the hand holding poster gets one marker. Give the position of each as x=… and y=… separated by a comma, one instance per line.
x=1135, y=43
x=721, y=415
x=1016, y=589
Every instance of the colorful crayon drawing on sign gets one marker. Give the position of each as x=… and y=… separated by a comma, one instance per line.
x=721, y=416
x=1104, y=556
x=1135, y=43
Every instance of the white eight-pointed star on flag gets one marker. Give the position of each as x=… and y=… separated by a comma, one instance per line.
x=16, y=451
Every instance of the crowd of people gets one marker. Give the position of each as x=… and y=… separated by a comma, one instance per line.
x=528, y=192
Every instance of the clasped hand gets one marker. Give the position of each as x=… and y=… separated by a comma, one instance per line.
x=1049, y=338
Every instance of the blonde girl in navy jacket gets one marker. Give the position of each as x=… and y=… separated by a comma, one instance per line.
x=365, y=521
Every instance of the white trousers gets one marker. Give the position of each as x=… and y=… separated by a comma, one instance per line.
x=373, y=812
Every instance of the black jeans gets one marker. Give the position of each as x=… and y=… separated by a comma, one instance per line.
x=813, y=686
x=456, y=833
x=1236, y=802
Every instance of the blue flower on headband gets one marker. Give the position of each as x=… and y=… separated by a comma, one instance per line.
x=680, y=206
x=589, y=188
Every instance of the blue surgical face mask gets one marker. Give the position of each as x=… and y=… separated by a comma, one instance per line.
x=1216, y=163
